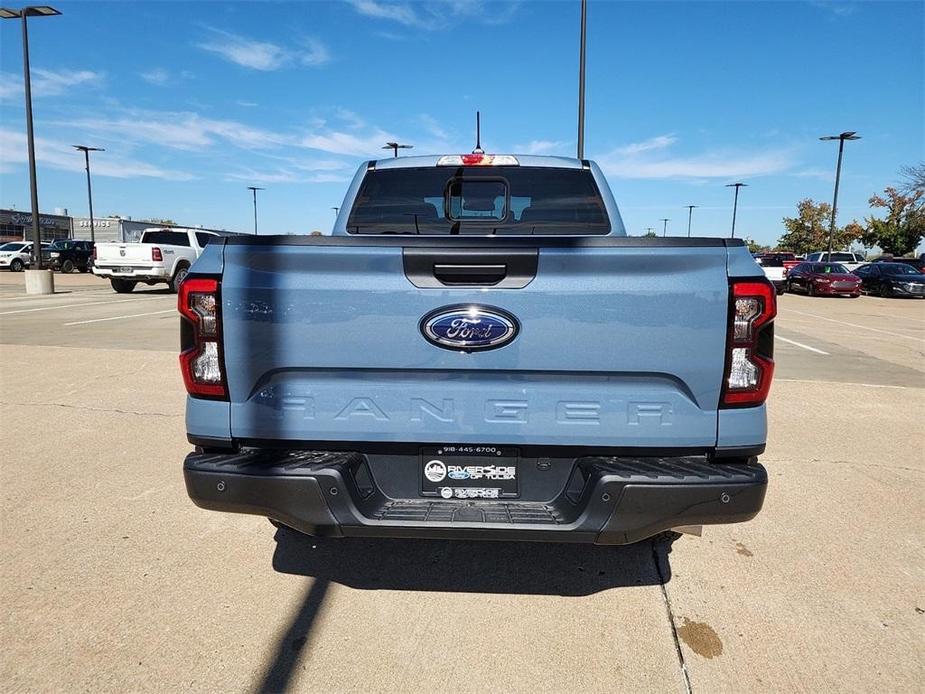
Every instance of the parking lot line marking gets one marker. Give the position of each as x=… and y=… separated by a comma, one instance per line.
x=131, y=315
x=855, y=325
x=800, y=344
x=843, y=383
x=54, y=308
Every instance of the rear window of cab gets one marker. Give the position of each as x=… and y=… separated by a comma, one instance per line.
x=479, y=200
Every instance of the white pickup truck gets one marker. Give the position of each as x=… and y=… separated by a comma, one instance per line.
x=851, y=261
x=161, y=256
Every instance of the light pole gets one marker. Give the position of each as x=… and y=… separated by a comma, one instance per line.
x=664, y=221
x=690, y=213
x=254, y=190
x=394, y=146
x=581, y=80
x=735, y=204
x=841, y=148
x=86, y=150
x=37, y=11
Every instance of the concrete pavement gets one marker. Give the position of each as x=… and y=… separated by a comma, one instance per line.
x=111, y=580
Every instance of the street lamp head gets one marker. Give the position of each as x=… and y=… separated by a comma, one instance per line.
x=84, y=148
x=43, y=10
x=255, y=188
x=737, y=185
x=848, y=135
x=36, y=11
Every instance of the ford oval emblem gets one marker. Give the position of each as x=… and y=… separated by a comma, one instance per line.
x=469, y=327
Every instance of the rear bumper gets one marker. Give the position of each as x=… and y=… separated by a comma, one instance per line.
x=145, y=273
x=602, y=500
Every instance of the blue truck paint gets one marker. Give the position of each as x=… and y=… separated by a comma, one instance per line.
x=619, y=352
x=208, y=419
x=342, y=323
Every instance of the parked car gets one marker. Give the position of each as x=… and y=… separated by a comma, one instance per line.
x=829, y=279
x=891, y=279
x=773, y=266
x=417, y=375
x=917, y=263
x=68, y=255
x=850, y=261
x=17, y=255
x=161, y=256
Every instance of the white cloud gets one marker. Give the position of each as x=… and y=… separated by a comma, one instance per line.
x=62, y=156
x=263, y=55
x=430, y=124
x=543, y=147
x=650, y=159
x=431, y=16
x=186, y=131
x=653, y=143
x=49, y=82
x=158, y=77
x=315, y=53
x=396, y=12
x=348, y=143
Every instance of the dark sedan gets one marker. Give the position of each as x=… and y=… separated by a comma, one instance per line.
x=917, y=263
x=828, y=279
x=891, y=279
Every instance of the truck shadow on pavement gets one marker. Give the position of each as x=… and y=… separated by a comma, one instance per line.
x=570, y=570
x=473, y=566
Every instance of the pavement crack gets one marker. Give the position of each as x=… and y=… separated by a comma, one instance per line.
x=87, y=408
x=671, y=622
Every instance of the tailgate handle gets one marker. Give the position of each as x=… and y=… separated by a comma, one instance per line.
x=479, y=266
x=470, y=274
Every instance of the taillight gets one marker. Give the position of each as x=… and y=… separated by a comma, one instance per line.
x=93, y=254
x=750, y=345
x=156, y=253
x=201, y=358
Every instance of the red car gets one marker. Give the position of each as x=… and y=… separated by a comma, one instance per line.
x=829, y=279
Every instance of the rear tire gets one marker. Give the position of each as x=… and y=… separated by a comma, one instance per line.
x=178, y=277
x=812, y=289
x=122, y=286
x=17, y=265
x=885, y=291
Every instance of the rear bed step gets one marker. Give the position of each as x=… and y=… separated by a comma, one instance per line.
x=608, y=500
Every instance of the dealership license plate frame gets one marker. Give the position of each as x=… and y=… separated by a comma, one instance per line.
x=471, y=480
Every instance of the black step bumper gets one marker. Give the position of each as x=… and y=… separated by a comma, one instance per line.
x=606, y=500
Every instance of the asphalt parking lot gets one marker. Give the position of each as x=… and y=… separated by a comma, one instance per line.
x=111, y=580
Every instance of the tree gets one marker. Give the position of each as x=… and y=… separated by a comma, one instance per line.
x=755, y=247
x=650, y=234
x=809, y=230
x=913, y=178
x=904, y=226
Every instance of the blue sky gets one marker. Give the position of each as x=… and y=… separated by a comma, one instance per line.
x=195, y=101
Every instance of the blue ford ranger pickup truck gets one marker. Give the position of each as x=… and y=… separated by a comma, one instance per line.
x=478, y=351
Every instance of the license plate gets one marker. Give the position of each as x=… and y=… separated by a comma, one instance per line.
x=469, y=472
x=124, y=269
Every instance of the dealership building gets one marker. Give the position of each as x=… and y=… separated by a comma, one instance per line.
x=17, y=226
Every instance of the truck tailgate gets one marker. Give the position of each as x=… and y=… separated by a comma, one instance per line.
x=123, y=254
x=620, y=345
